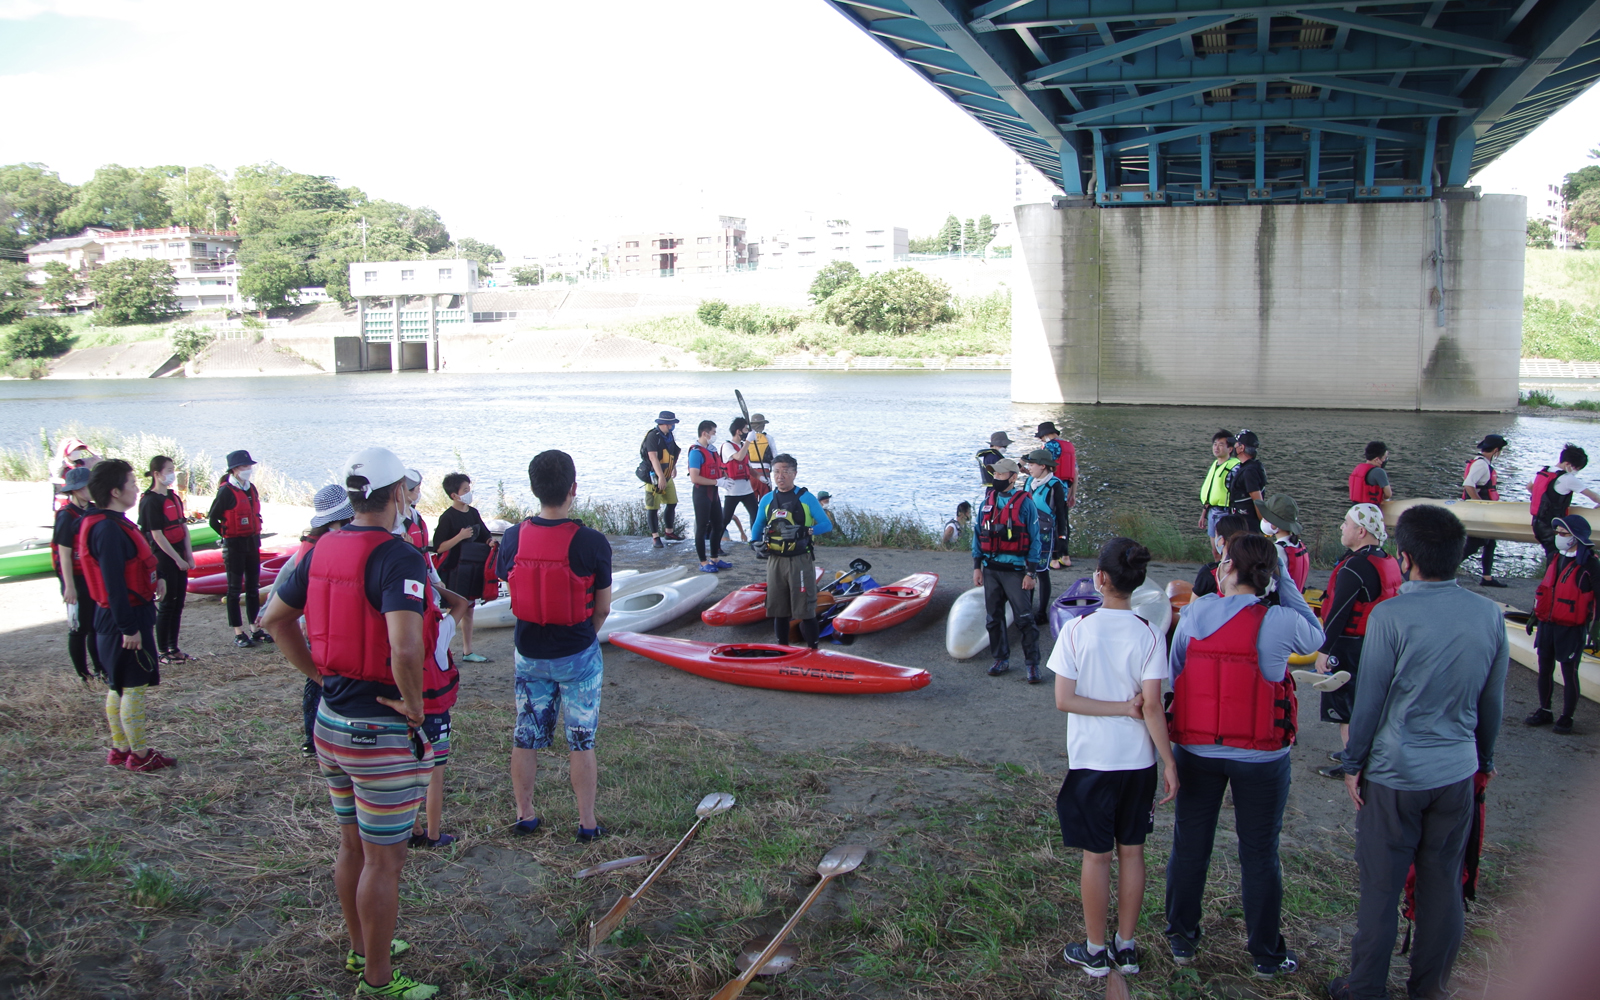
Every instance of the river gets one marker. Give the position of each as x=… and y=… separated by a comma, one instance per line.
x=887, y=441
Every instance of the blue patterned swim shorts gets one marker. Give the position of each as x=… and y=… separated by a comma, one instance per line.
x=572, y=684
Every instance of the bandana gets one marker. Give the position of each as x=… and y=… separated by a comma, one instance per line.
x=1369, y=517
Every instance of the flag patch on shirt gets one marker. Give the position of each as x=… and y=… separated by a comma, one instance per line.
x=414, y=589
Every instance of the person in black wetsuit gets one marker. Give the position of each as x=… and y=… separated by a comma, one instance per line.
x=74, y=589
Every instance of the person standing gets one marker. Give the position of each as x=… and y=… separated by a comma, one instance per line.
x=999, y=441
x=1564, y=609
x=1551, y=494
x=735, y=483
x=559, y=575
x=762, y=449
x=953, y=527
x=1482, y=482
x=1109, y=668
x=1050, y=496
x=162, y=521
x=787, y=520
x=370, y=624
x=1429, y=701
x=1066, y=470
x=1007, y=556
x=412, y=524
x=705, y=472
x=1247, y=481
x=658, y=468
x=1280, y=521
x=82, y=646
x=236, y=516
x=1364, y=577
x=120, y=572
x=1228, y=526
x=1215, y=500
x=71, y=454
x=462, y=540
x=1369, y=481
x=1233, y=722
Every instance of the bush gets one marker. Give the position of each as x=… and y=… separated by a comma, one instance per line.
x=36, y=337
x=896, y=301
x=188, y=342
x=135, y=291
x=834, y=276
x=759, y=320
x=710, y=312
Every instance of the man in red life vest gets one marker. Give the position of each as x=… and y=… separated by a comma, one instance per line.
x=1008, y=552
x=1369, y=482
x=1480, y=481
x=372, y=624
x=236, y=516
x=120, y=572
x=559, y=575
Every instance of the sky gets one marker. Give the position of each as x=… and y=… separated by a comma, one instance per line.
x=531, y=123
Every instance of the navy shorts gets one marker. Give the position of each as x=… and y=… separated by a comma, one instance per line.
x=437, y=729
x=1101, y=809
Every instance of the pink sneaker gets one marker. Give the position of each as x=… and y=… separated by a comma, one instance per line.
x=116, y=758
x=151, y=761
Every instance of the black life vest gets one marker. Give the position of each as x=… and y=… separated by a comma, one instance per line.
x=789, y=523
x=1002, y=531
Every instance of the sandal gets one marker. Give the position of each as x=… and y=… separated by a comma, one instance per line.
x=179, y=656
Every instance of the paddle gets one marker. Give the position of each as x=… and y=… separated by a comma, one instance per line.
x=1116, y=986
x=611, y=866
x=837, y=862
x=742, y=408
x=603, y=928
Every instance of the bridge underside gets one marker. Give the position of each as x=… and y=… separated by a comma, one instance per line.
x=1163, y=102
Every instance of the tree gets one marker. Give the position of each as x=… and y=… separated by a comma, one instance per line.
x=1541, y=234
x=969, y=237
x=532, y=274
x=710, y=312
x=985, y=231
x=830, y=278
x=1591, y=239
x=468, y=248
x=1580, y=182
x=16, y=292
x=272, y=281
x=897, y=301
x=36, y=337
x=924, y=244
x=199, y=198
x=61, y=284
x=950, y=235
x=135, y=290
x=1583, y=214
x=120, y=198
x=32, y=200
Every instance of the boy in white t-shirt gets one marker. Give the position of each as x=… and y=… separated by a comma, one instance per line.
x=1109, y=667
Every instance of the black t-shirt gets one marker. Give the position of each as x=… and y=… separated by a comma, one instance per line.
x=450, y=524
x=153, y=520
x=395, y=580
x=65, y=534
x=1205, y=581
x=655, y=441
x=1244, y=479
x=1357, y=578
x=112, y=548
x=588, y=554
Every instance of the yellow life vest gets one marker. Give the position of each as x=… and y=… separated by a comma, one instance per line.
x=1214, y=491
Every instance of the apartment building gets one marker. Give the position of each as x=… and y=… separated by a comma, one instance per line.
x=814, y=245
x=205, y=261
x=711, y=250
x=577, y=259
x=79, y=252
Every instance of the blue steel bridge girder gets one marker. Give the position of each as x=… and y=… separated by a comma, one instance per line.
x=1315, y=99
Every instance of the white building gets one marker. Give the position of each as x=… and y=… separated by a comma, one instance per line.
x=1032, y=187
x=580, y=258
x=79, y=252
x=389, y=315
x=205, y=261
x=813, y=245
x=1545, y=203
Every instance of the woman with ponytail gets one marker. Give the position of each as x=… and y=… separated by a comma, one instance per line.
x=161, y=518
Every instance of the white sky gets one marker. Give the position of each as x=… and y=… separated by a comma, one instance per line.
x=529, y=123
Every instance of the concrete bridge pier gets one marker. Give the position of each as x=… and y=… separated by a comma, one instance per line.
x=1383, y=306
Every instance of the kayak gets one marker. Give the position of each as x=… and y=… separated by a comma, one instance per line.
x=654, y=606
x=966, y=633
x=778, y=668
x=1504, y=520
x=497, y=613
x=1076, y=601
x=744, y=606
x=216, y=584
x=1522, y=651
x=881, y=607
x=36, y=561
x=1149, y=602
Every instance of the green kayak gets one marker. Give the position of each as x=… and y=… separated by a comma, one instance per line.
x=33, y=562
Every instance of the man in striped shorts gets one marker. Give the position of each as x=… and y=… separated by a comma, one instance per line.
x=365, y=596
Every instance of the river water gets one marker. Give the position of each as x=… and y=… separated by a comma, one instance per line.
x=886, y=441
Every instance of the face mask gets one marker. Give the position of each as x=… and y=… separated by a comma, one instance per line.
x=1216, y=545
x=465, y=498
x=1268, y=528
x=399, y=527
x=168, y=478
x=1566, y=543
x=243, y=476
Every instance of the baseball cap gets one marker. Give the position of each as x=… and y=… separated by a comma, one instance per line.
x=332, y=503
x=380, y=467
x=413, y=479
x=1248, y=439
x=77, y=479
x=1004, y=467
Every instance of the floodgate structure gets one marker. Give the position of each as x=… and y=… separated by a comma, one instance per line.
x=1266, y=203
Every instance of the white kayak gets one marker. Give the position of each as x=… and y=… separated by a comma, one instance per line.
x=1151, y=603
x=643, y=610
x=1503, y=520
x=966, y=633
x=497, y=613
x=1522, y=652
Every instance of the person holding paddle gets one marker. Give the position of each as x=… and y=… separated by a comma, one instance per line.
x=658, y=455
x=762, y=448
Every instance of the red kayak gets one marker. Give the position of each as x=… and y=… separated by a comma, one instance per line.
x=744, y=606
x=216, y=584
x=882, y=607
x=780, y=668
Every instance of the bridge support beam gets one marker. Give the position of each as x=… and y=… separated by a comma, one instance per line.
x=1331, y=306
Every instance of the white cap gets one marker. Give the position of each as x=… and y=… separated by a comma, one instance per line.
x=379, y=466
x=413, y=479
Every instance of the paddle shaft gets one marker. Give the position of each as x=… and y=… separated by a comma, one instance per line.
x=736, y=986
x=603, y=928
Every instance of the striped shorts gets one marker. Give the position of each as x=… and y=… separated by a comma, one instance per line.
x=374, y=775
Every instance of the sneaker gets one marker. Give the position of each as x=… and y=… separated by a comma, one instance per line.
x=308, y=750
x=1337, y=756
x=151, y=761
x=422, y=842
x=526, y=827
x=658, y=543
x=1563, y=726
x=1126, y=959
x=1000, y=667
x=724, y=564
x=243, y=641
x=1541, y=717
x=475, y=658
x=1078, y=954
x=117, y=758
x=400, y=986
x=588, y=836
x=1033, y=674
x=1339, y=988
x=260, y=635
x=1272, y=970
x=1181, y=947
x=1332, y=771
x=358, y=963
x=1490, y=581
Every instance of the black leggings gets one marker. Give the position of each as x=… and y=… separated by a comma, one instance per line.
x=707, y=522
x=1569, y=680
x=81, y=644
x=655, y=519
x=242, y=559
x=1487, y=545
x=808, y=631
x=1042, y=595
x=731, y=504
x=169, y=612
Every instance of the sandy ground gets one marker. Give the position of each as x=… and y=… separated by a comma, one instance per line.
x=963, y=712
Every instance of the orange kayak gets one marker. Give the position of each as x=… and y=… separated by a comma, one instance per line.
x=881, y=607
x=744, y=606
x=778, y=668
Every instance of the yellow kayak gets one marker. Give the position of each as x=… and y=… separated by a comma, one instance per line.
x=1503, y=520
x=1522, y=652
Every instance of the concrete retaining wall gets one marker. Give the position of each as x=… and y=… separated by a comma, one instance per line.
x=1271, y=305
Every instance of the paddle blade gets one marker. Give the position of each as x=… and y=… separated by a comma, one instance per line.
x=742, y=408
x=842, y=859
x=716, y=802
x=1116, y=986
x=607, y=925
x=859, y=566
x=611, y=866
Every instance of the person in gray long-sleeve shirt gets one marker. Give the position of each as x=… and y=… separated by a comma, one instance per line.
x=1428, y=705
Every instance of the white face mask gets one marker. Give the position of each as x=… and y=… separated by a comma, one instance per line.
x=168, y=478
x=1268, y=528
x=1566, y=543
x=243, y=475
x=399, y=527
x=465, y=498
x=1216, y=545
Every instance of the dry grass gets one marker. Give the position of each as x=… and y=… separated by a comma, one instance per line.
x=212, y=880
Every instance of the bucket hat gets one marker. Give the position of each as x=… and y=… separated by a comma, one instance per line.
x=666, y=417
x=332, y=503
x=78, y=478
x=238, y=458
x=758, y=420
x=1577, y=524
x=1042, y=456
x=1282, y=512
x=1048, y=427
x=999, y=439
x=1004, y=467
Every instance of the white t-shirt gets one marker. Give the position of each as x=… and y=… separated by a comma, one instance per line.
x=733, y=487
x=1477, y=474
x=1110, y=654
x=1568, y=482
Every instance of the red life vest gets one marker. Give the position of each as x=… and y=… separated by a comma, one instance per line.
x=544, y=589
x=1221, y=697
x=138, y=573
x=1560, y=600
x=172, y=509
x=1389, y=579
x=1299, y=561
x=55, y=550
x=1543, y=500
x=440, y=687
x=491, y=579
x=737, y=468
x=349, y=637
x=1362, y=491
x=1001, y=530
x=710, y=462
x=1489, y=490
x=417, y=531
x=244, y=517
